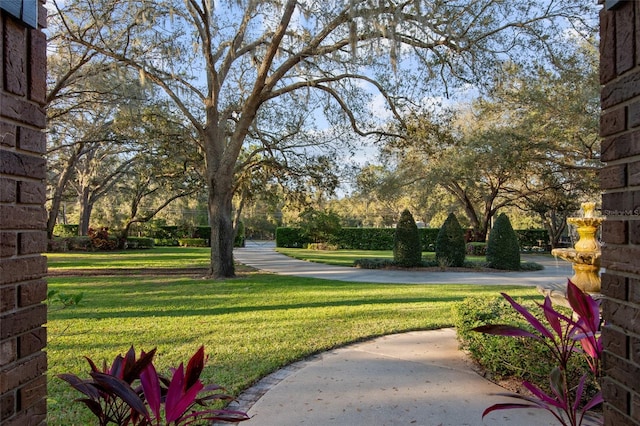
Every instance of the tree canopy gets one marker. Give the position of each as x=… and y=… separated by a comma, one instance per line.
x=250, y=76
x=531, y=141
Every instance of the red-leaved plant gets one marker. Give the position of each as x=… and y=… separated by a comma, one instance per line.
x=131, y=392
x=565, y=402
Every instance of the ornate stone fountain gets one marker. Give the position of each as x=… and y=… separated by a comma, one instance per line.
x=585, y=256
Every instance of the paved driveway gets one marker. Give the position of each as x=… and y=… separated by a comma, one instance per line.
x=262, y=255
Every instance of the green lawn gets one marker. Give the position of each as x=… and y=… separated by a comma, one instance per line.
x=347, y=257
x=250, y=326
x=335, y=257
x=160, y=257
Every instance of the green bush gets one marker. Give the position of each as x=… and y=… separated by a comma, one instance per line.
x=165, y=242
x=202, y=232
x=192, y=242
x=82, y=243
x=139, y=243
x=356, y=238
x=508, y=357
x=240, y=236
x=290, y=238
x=65, y=231
x=322, y=246
x=57, y=245
x=319, y=226
x=476, y=249
x=406, y=244
x=503, y=250
x=428, y=237
x=365, y=238
x=450, y=245
x=373, y=263
x=501, y=357
x=530, y=239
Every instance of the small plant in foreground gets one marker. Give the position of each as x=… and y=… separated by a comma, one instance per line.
x=66, y=300
x=565, y=402
x=131, y=392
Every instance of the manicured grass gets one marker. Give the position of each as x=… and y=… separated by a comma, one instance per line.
x=335, y=257
x=161, y=257
x=346, y=257
x=250, y=326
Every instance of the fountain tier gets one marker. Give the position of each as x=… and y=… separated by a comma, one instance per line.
x=585, y=256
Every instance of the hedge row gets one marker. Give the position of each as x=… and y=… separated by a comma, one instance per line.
x=529, y=238
x=165, y=235
x=356, y=238
x=85, y=244
x=382, y=238
x=502, y=356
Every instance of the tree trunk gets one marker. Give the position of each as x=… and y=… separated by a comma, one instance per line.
x=479, y=229
x=59, y=190
x=220, y=195
x=555, y=226
x=85, y=212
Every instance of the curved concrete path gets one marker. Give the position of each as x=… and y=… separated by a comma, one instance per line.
x=416, y=378
x=262, y=255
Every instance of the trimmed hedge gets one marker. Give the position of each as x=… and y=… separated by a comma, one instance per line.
x=428, y=238
x=165, y=242
x=406, y=242
x=503, y=251
x=192, y=242
x=203, y=232
x=502, y=356
x=382, y=238
x=356, y=238
x=450, y=246
x=365, y=238
x=290, y=238
x=476, y=249
x=139, y=243
x=65, y=231
x=528, y=238
x=526, y=359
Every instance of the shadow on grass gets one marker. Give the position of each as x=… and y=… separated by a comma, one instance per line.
x=178, y=311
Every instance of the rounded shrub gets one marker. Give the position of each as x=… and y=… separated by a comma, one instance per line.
x=450, y=245
x=503, y=250
x=407, y=250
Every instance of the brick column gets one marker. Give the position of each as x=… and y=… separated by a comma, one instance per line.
x=620, y=182
x=23, y=364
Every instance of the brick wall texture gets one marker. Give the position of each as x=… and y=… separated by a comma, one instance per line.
x=620, y=182
x=23, y=363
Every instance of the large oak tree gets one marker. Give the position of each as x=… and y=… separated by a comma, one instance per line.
x=231, y=67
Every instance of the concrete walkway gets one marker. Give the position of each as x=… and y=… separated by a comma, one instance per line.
x=261, y=255
x=416, y=378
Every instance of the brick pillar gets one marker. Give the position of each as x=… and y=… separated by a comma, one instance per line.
x=620, y=182
x=23, y=364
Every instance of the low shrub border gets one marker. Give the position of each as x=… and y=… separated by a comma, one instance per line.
x=500, y=358
x=192, y=242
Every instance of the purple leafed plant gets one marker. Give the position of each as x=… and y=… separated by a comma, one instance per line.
x=131, y=392
x=565, y=337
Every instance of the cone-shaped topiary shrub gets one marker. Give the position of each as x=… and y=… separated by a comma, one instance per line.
x=406, y=244
x=503, y=250
x=450, y=245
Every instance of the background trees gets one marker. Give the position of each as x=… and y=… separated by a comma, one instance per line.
x=237, y=70
x=531, y=141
